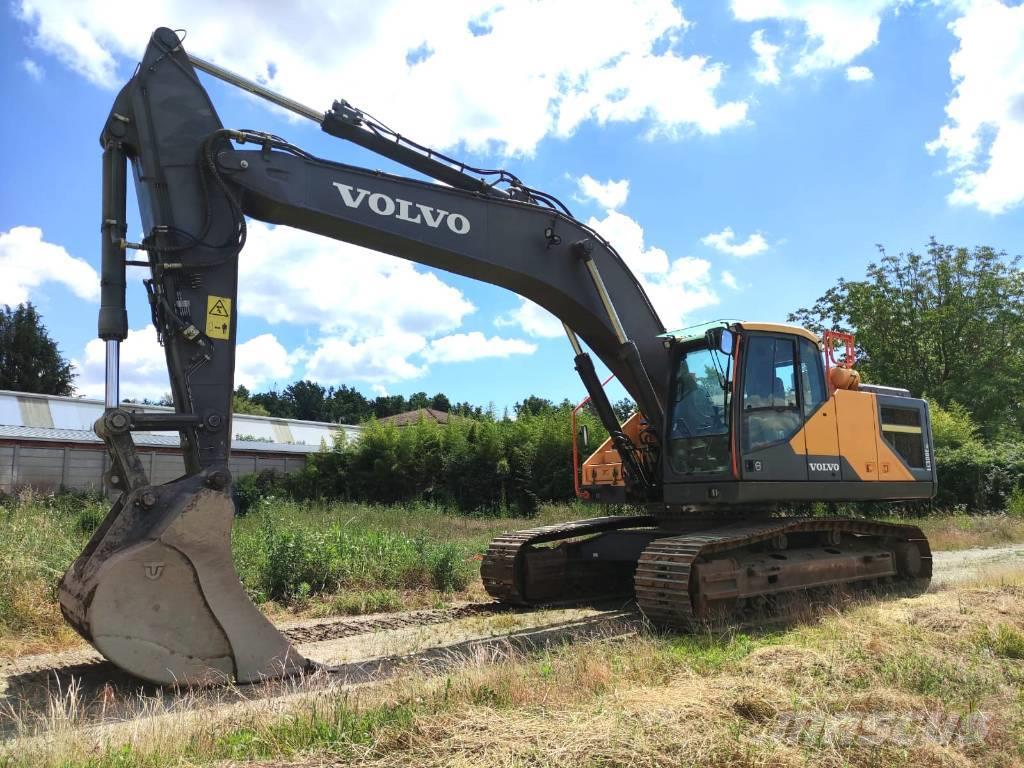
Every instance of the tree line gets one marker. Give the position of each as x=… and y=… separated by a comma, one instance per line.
x=311, y=401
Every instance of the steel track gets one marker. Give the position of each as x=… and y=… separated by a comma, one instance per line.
x=501, y=569
x=664, y=581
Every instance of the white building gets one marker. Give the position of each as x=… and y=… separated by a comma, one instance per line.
x=47, y=442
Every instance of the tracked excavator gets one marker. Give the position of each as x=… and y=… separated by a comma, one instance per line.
x=733, y=419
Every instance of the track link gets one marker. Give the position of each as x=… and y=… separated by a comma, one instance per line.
x=502, y=568
x=665, y=584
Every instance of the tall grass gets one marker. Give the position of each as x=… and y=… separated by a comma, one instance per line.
x=39, y=536
x=284, y=551
x=360, y=557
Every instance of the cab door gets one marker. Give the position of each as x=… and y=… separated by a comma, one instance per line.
x=772, y=445
x=821, y=431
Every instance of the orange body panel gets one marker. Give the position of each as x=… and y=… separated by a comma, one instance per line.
x=845, y=426
x=604, y=466
x=857, y=427
x=821, y=432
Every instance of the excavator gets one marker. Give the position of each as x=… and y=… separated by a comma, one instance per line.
x=736, y=421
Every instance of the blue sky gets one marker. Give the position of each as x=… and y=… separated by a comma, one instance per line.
x=741, y=155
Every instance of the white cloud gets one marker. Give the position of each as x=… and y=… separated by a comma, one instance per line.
x=676, y=288
x=466, y=67
x=859, y=74
x=33, y=70
x=724, y=242
x=463, y=347
x=377, y=360
x=371, y=311
x=27, y=261
x=729, y=280
x=143, y=367
x=610, y=194
x=262, y=360
x=634, y=89
x=837, y=31
x=983, y=137
x=627, y=237
x=767, y=67
x=290, y=276
x=533, y=319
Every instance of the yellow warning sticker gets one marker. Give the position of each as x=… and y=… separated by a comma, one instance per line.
x=218, y=317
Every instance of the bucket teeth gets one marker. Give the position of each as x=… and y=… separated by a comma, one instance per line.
x=156, y=592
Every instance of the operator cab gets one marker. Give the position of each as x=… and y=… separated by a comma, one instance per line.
x=753, y=419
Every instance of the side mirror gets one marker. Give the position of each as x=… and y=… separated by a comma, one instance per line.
x=720, y=339
x=584, y=436
x=725, y=342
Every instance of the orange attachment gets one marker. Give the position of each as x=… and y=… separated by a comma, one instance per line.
x=840, y=373
x=843, y=378
x=604, y=466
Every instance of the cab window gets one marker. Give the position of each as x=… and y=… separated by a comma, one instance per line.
x=812, y=377
x=699, y=429
x=770, y=410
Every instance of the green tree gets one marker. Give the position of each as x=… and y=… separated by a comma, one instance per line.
x=389, y=405
x=307, y=400
x=533, y=406
x=242, y=404
x=467, y=409
x=948, y=324
x=30, y=361
x=347, y=405
x=623, y=408
x=440, y=402
x=275, y=403
x=418, y=400
x=952, y=427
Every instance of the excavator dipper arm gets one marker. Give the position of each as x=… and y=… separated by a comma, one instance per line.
x=155, y=590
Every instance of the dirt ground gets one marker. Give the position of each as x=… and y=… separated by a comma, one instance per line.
x=965, y=564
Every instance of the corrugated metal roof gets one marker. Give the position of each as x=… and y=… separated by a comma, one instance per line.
x=29, y=410
x=142, y=439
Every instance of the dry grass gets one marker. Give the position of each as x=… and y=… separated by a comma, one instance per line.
x=935, y=680
x=954, y=532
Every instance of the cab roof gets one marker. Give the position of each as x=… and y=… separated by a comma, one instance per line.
x=694, y=332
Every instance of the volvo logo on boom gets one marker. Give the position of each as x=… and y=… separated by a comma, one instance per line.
x=403, y=210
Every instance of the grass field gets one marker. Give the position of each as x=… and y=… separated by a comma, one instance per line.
x=310, y=560
x=934, y=680
x=294, y=560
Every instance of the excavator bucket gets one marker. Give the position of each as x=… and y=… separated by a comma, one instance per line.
x=155, y=591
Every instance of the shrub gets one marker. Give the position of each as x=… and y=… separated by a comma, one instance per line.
x=952, y=426
x=1005, y=641
x=285, y=552
x=250, y=489
x=448, y=569
x=1015, y=504
x=979, y=476
x=481, y=466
